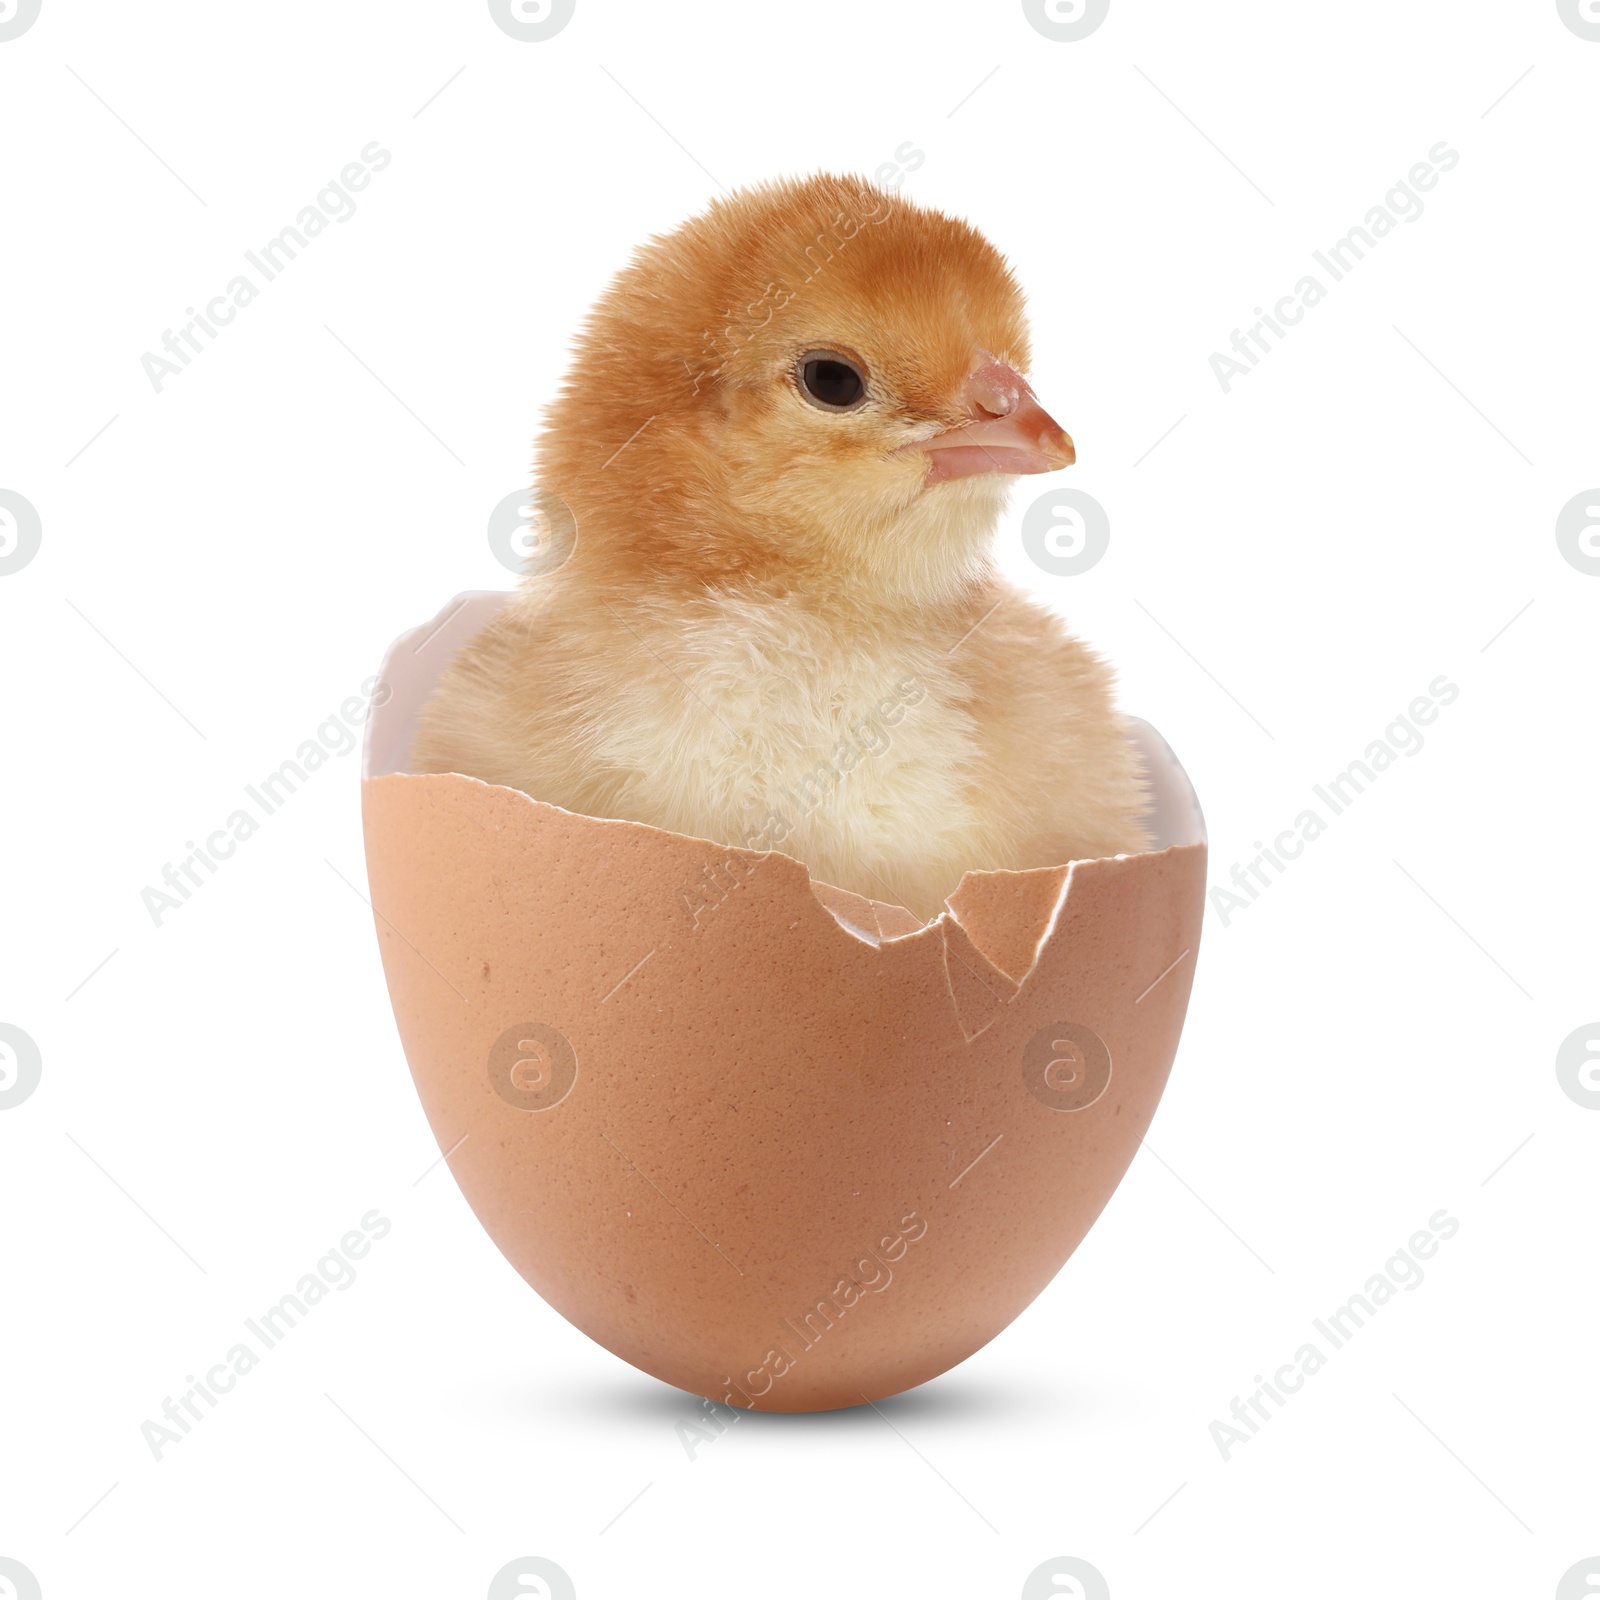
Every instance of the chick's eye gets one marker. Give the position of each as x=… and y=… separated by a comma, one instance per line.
x=831, y=381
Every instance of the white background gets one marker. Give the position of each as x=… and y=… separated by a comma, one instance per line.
x=1368, y=1043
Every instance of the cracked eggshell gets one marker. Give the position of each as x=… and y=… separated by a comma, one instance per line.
x=809, y=1152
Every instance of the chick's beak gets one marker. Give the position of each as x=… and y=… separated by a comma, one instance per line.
x=1008, y=431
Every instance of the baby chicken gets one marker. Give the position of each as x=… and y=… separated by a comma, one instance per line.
x=785, y=439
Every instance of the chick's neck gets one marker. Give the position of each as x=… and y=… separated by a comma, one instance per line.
x=904, y=577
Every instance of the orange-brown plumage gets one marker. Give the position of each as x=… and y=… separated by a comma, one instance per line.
x=780, y=624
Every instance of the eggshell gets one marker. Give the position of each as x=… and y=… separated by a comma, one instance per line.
x=799, y=1151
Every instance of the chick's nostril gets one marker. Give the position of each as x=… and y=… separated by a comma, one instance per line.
x=995, y=390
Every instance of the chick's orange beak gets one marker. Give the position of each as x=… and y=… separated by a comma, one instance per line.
x=1009, y=431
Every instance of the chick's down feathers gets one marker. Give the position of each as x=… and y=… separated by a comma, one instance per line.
x=778, y=459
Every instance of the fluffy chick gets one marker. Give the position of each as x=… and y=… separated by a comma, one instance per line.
x=785, y=439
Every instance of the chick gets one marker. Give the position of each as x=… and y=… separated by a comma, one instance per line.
x=785, y=439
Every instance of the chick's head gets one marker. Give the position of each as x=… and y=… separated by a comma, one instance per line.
x=811, y=378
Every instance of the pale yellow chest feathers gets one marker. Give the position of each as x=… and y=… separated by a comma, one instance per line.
x=763, y=725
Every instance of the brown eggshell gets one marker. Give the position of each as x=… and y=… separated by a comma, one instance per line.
x=799, y=1150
